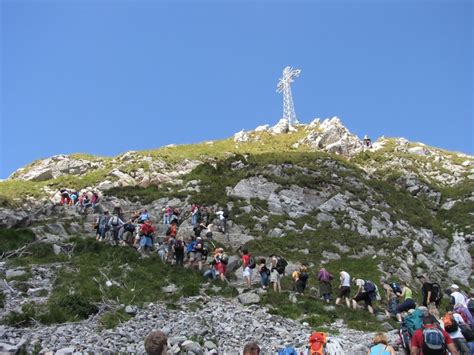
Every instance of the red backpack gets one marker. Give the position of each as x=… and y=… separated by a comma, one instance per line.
x=317, y=343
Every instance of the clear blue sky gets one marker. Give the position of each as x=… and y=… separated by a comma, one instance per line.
x=104, y=77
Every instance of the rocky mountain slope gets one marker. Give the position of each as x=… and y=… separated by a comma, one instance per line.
x=312, y=193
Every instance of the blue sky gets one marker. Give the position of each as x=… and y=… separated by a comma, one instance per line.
x=104, y=77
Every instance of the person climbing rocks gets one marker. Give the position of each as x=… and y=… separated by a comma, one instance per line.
x=392, y=292
x=147, y=230
x=222, y=217
x=431, y=291
x=406, y=300
x=344, y=288
x=102, y=226
x=325, y=288
x=364, y=291
x=264, y=272
x=248, y=264
x=300, y=279
x=277, y=270
x=115, y=223
x=427, y=340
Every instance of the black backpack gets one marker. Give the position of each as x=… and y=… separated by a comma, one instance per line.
x=470, y=305
x=226, y=214
x=436, y=294
x=179, y=246
x=395, y=287
x=369, y=287
x=252, y=263
x=281, y=265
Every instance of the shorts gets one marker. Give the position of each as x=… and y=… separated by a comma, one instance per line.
x=247, y=272
x=275, y=276
x=198, y=256
x=344, y=292
x=146, y=242
x=363, y=296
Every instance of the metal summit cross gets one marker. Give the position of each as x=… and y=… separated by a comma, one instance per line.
x=284, y=86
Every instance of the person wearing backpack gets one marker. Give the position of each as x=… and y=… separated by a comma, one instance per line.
x=431, y=292
x=102, y=226
x=222, y=260
x=407, y=303
x=365, y=289
x=275, y=275
x=456, y=296
x=431, y=339
x=248, y=264
x=380, y=346
x=325, y=289
x=115, y=223
x=178, y=251
x=147, y=230
x=264, y=272
x=452, y=325
x=391, y=290
x=344, y=288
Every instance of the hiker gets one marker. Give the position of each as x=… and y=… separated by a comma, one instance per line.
x=115, y=223
x=264, y=272
x=167, y=214
x=221, y=263
x=344, y=288
x=248, y=264
x=156, y=343
x=143, y=216
x=365, y=291
x=408, y=301
x=126, y=233
x=317, y=344
x=380, y=346
x=452, y=323
x=430, y=339
x=277, y=269
x=65, y=198
x=456, y=297
x=74, y=198
x=146, y=241
x=392, y=292
x=85, y=203
x=204, y=215
x=172, y=230
x=200, y=254
x=431, y=292
x=211, y=273
x=102, y=225
x=367, y=141
x=95, y=200
x=300, y=278
x=178, y=250
x=324, y=278
x=251, y=349
x=194, y=214
x=222, y=216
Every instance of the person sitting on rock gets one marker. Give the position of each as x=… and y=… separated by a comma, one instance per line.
x=325, y=289
x=85, y=203
x=364, y=288
x=251, y=349
x=344, y=288
x=380, y=346
x=156, y=343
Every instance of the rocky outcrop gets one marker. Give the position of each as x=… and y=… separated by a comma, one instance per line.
x=56, y=166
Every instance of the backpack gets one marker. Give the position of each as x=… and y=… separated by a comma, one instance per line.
x=470, y=305
x=369, y=287
x=467, y=332
x=226, y=214
x=433, y=342
x=405, y=338
x=225, y=259
x=436, y=294
x=395, y=287
x=103, y=221
x=289, y=350
x=413, y=321
x=179, y=246
x=281, y=265
x=450, y=324
x=252, y=263
x=114, y=221
x=317, y=342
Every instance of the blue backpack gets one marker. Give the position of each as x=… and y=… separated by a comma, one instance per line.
x=369, y=287
x=289, y=350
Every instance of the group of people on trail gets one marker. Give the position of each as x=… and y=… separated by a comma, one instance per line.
x=82, y=202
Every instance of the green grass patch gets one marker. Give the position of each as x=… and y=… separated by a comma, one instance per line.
x=110, y=320
x=12, y=239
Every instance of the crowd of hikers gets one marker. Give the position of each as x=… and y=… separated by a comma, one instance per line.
x=426, y=328
x=81, y=201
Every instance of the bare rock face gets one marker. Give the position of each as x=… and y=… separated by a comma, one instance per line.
x=55, y=166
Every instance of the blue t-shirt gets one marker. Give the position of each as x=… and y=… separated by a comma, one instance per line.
x=379, y=349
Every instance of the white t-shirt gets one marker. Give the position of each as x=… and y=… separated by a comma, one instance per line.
x=345, y=279
x=360, y=282
x=459, y=298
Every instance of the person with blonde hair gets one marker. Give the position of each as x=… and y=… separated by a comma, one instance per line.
x=381, y=346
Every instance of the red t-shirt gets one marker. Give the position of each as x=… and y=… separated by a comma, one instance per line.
x=417, y=339
x=246, y=260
